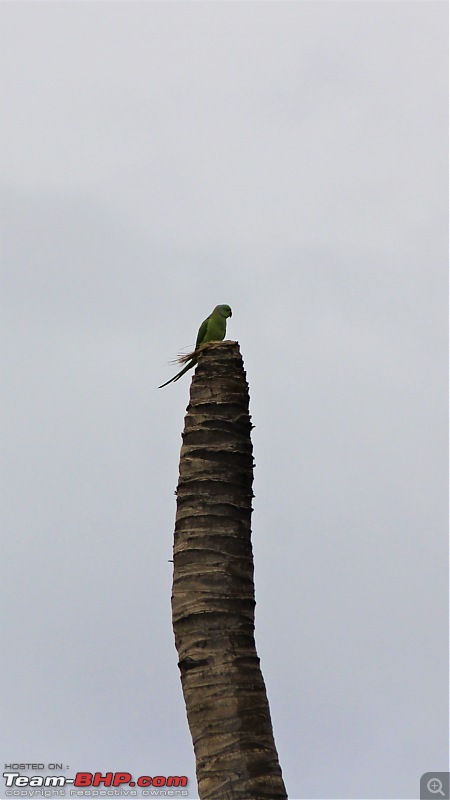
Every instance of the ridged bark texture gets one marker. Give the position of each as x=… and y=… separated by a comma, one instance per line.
x=213, y=599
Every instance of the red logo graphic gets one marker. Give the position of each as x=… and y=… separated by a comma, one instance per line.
x=121, y=778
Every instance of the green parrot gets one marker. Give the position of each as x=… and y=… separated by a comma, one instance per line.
x=212, y=329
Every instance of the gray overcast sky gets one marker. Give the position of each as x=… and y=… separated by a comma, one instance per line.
x=290, y=159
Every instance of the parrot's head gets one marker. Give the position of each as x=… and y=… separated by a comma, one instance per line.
x=225, y=311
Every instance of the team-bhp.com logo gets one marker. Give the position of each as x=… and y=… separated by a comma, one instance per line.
x=89, y=780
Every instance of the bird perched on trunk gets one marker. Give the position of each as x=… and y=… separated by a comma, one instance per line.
x=212, y=329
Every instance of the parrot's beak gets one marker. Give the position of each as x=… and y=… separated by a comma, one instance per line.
x=231, y=313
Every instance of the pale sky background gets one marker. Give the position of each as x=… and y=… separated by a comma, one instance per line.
x=290, y=159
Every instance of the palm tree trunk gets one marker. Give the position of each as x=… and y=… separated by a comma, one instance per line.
x=213, y=599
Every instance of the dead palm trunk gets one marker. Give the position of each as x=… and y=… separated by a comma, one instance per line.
x=213, y=593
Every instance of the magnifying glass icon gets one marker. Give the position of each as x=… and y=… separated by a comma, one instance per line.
x=434, y=786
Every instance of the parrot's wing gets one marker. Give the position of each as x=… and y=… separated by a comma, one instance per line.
x=202, y=332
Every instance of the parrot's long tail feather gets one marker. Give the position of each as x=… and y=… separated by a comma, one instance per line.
x=190, y=359
x=191, y=363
